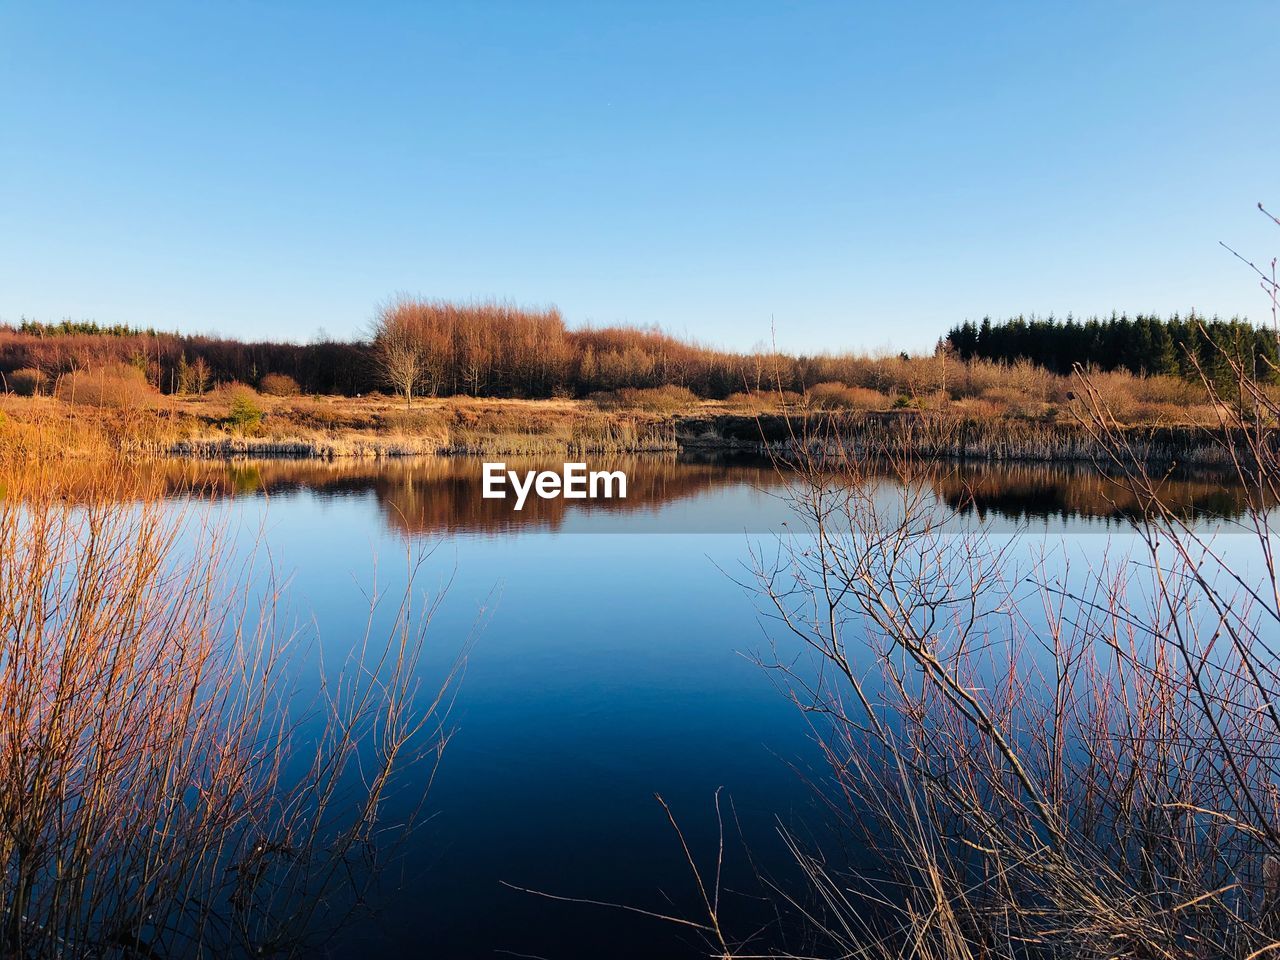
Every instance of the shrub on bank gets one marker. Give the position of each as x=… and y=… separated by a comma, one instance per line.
x=27, y=382
x=763, y=401
x=279, y=385
x=244, y=412
x=838, y=396
x=118, y=386
x=668, y=399
x=972, y=379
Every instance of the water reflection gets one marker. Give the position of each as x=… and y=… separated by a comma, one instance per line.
x=1042, y=492
x=668, y=493
x=608, y=669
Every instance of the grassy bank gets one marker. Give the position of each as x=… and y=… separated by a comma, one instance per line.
x=238, y=422
x=250, y=425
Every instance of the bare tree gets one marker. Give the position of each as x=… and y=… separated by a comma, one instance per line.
x=401, y=364
x=1039, y=761
x=398, y=348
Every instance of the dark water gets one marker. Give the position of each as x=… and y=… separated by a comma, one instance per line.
x=613, y=661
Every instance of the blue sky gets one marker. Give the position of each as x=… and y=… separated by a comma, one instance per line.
x=860, y=176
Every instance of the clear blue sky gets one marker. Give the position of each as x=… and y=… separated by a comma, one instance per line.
x=864, y=175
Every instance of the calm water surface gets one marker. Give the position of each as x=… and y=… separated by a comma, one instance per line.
x=613, y=661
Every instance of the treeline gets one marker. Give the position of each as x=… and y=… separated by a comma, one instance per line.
x=64, y=327
x=495, y=349
x=1142, y=345
x=178, y=363
x=423, y=348
x=479, y=349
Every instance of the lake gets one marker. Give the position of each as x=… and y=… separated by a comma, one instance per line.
x=613, y=660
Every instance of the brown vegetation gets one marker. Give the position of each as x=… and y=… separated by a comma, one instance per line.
x=489, y=349
x=279, y=385
x=642, y=386
x=838, y=396
x=235, y=420
x=652, y=399
x=1040, y=761
x=1034, y=761
x=25, y=382
x=167, y=788
x=484, y=349
x=118, y=386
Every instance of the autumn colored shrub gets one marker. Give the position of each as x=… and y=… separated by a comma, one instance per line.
x=118, y=386
x=279, y=385
x=489, y=348
x=1168, y=390
x=1034, y=383
x=838, y=396
x=976, y=408
x=26, y=382
x=669, y=399
x=974, y=378
x=763, y=401
x=1013, y=402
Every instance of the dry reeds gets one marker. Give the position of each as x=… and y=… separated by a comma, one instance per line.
x=1037, y=761
x=167, y=786
x=1037, y=764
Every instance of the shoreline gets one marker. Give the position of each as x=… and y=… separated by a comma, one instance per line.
x=375, y=429
x=961, y=439
x=942, y=439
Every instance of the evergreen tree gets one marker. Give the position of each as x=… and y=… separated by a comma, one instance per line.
x=1143, y=344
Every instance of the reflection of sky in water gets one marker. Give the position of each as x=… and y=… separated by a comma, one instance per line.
x=609, y=667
